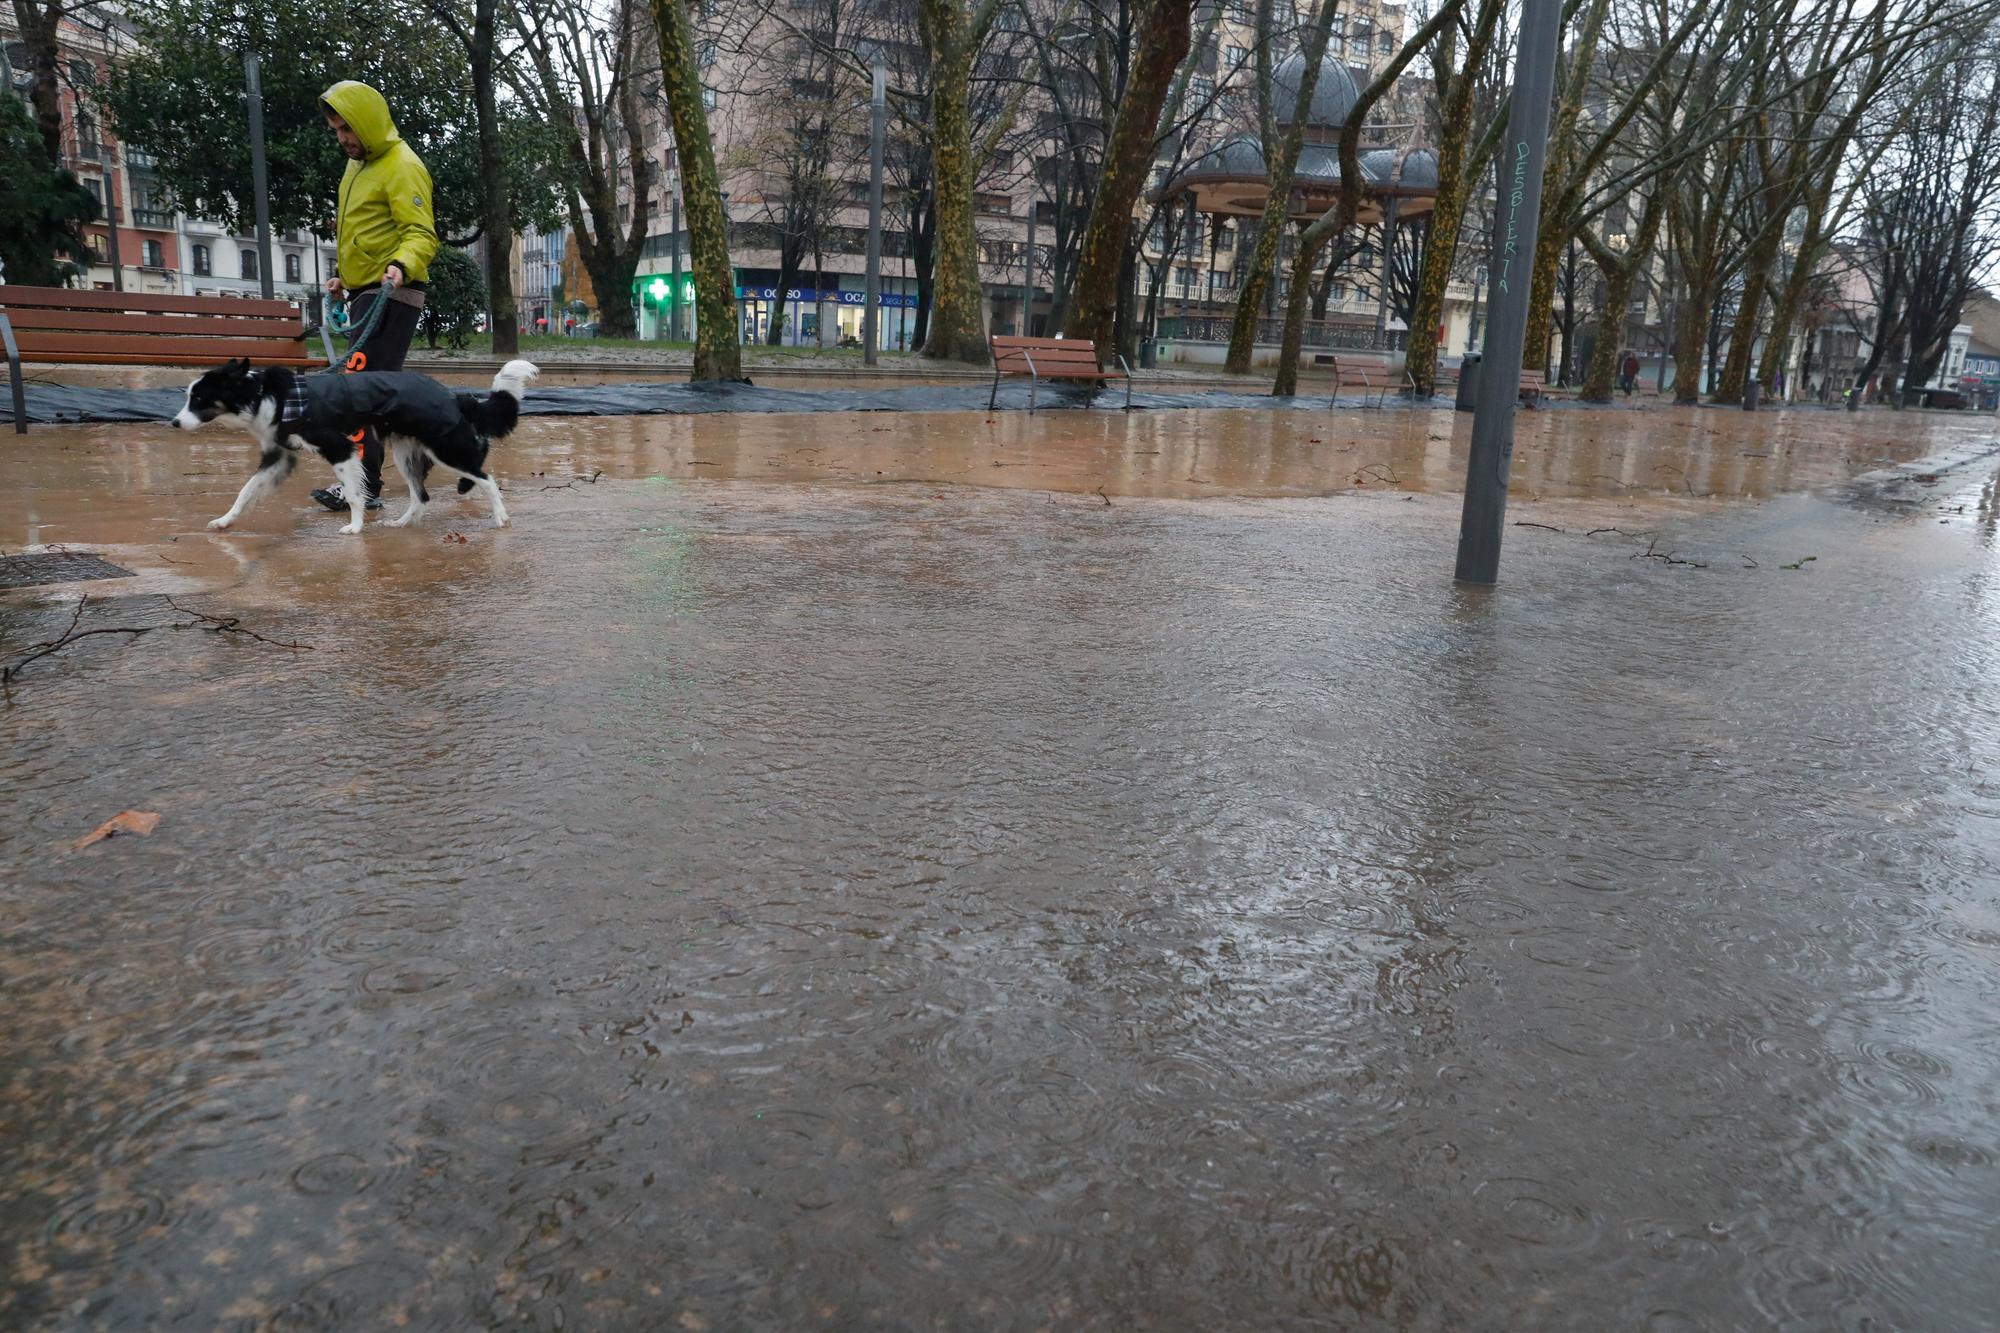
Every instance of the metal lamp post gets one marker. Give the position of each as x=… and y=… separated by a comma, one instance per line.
x=878, y=117
x=259, y=183
x=1522, y=159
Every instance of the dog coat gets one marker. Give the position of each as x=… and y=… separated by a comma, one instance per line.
x=395, y=402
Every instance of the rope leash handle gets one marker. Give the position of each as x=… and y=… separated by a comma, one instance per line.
x=357, y=360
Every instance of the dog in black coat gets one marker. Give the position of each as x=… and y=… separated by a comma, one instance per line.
x=417, y=417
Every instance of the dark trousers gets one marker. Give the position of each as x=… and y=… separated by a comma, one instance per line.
x=385, y=350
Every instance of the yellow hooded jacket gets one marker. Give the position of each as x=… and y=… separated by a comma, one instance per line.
x=385, y=199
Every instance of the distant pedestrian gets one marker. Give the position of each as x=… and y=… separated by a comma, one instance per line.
x=1628, y=373
x=1778, y=384
x=569, y=326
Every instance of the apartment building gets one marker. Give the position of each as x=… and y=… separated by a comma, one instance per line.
x=142, y=242
x=751, y=96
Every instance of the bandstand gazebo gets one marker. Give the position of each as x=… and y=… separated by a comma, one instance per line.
x=1234, y=181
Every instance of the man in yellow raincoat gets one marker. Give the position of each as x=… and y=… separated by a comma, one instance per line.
x=385, y=235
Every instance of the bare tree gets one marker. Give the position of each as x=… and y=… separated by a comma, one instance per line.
x=1933, y=218
x=582, y=75
x=718, y=355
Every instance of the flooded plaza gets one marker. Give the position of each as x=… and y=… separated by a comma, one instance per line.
x=1080, y=871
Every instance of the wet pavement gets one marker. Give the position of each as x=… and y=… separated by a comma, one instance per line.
x=808, y=877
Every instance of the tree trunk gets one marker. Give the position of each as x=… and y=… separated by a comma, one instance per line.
x=1292, y=342
x=1602, y=375
x=1560, y=193
x=39, y=26
x=718, y=355
x=789, y=266
x=1282, y=166
x=1448, y=210
x=1619, y=278
x=504, y=316
x=957, y=332
x=611, y=277
x=1688, y=341
x=1784, y=313
x=1163, y=43
x=1549, y=244
x=1749, y=310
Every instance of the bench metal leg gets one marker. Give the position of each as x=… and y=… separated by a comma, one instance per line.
x=994, y=397
x=14, y=376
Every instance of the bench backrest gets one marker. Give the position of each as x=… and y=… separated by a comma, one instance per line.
x=1374, y=363
x=1533, y=379
x=128, y=328
x=1053, y=356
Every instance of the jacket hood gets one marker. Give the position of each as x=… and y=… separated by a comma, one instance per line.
x=366, y=113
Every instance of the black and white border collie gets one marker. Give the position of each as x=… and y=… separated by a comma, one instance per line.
x=417, y=418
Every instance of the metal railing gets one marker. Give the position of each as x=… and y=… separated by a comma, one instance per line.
x=1323, y=333
x=152, y=217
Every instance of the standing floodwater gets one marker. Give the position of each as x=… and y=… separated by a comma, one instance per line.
x=740, y=905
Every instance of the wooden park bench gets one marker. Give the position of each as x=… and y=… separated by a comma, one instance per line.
x=1534, y=387
x=1372, y=373
x=1055, y=359
x=65, y=326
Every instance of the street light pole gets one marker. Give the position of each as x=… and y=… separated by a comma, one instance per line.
x=1523, y=156
x=878, y=116
x=259, y=184
x=1472, y=320
x=1028, y=273
x=674, y=241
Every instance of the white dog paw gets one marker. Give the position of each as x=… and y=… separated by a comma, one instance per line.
x=219, y=524
x=395, y=522
x=499, y=522
x=351, y=529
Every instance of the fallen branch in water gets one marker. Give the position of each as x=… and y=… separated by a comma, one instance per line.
x=1666, y=557
x=202, y=620
x=227, y=625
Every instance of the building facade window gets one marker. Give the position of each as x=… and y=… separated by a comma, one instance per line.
x=249, y=263
x=154, y=257
x=204, y=266
x=291, y=268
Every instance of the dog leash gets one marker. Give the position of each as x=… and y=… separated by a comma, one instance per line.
x=357, y=359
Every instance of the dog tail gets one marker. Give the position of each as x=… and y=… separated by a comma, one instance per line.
x=494, y=416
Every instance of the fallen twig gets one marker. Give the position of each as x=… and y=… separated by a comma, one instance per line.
x=202, y=620
x=228, y=625
x=1102, y=496
x=1523, y=523
x=1665, y=557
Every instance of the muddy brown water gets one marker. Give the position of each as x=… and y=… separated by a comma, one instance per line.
x=722, y=902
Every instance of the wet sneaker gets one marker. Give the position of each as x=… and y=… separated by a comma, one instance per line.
x=333, y=498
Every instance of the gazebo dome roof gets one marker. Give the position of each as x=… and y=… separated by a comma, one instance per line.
x=1334, y=94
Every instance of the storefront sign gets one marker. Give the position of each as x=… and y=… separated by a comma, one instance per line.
x=810, y=296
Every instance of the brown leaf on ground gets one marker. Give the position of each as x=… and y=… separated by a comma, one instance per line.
x=141, y=822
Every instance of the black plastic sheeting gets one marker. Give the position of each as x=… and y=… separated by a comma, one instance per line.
x=54, y=404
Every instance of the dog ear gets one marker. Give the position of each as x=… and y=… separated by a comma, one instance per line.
x=240, y=363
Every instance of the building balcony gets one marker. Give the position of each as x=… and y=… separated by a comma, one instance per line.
x=152, y=218
x=144, y=164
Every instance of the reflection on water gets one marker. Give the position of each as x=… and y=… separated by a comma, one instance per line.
x=730, y=905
